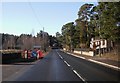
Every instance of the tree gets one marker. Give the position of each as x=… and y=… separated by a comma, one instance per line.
x=108, y=19
x=42, y=39
x=84, y=14
x=68, y=33
x=93, y=24
x=59, y=38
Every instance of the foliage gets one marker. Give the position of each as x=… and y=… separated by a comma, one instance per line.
x=110, y=16
x=68, y=34
x=101, y=21
x=24, y=41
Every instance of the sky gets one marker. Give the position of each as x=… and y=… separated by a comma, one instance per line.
x=30, y=17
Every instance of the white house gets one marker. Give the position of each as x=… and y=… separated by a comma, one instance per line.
x=98, y=43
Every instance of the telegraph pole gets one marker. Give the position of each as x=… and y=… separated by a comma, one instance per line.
x=99, y=33
x=33, y=34
x=43, y=40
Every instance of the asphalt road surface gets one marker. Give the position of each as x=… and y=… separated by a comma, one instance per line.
x=59, y=66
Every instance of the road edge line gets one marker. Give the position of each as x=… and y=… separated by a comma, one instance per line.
x=112, y=66
x=98, y=62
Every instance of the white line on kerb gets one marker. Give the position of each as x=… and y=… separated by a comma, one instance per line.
x=112, y=66
x=105, y=64
x=79, y=76
x=79, y=56
x=76, y=56
x=83, y=57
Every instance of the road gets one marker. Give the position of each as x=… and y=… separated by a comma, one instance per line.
x=59, y=66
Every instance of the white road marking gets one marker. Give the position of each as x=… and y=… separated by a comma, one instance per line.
x=60, y=55
x=76, y=55
x=79, y=76
x=67, y=63
x=104, y=64
x=73, y=69
x=79, y=56
x=112, y=66
x=83, y=57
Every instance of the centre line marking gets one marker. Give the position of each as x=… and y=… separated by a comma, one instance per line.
x=79, y=76
x=67, y=63
x=73, y=69
x=60, y=55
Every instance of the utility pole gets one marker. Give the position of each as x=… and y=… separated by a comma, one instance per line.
x=44, y=48
x=71, y=46
x=33, y=34
x=99, y=33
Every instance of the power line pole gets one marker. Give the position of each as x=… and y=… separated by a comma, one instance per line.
x=99, y=33
x=44, y=40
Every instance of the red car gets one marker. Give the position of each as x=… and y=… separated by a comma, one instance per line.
x=39, y=54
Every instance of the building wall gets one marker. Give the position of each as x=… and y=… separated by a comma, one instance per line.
x=95, y=44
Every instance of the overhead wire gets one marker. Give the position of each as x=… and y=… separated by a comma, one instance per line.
x=37, y=19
